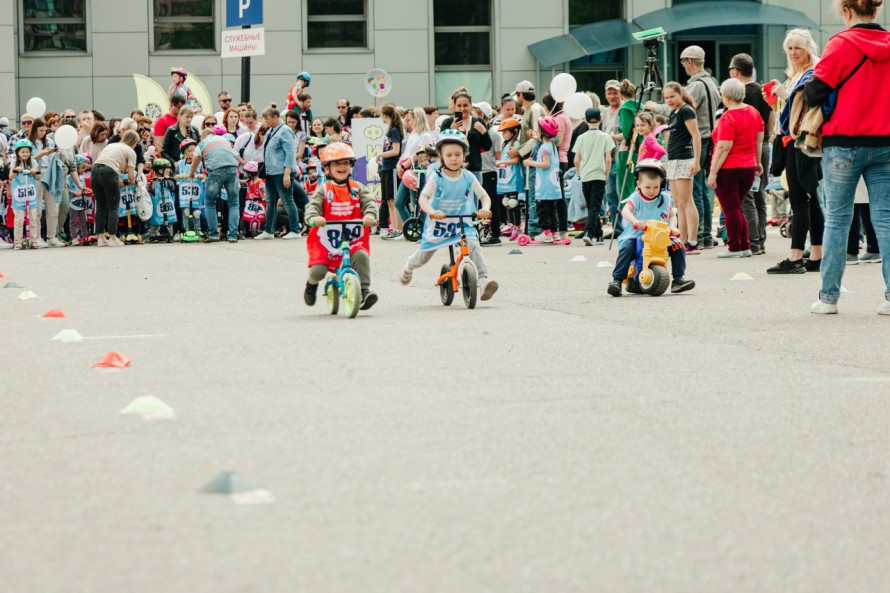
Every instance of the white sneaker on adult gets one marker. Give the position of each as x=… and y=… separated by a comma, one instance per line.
x=264, y=236
x=884, y=309
x=820, y=308
x=102, y=241
x=5, y=245
x=290, y=236
x=54, y=242
x=114, y=241
x=41, y=244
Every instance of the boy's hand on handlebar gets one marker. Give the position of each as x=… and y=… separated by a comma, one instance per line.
x=675, y=232
x=318, y=221
x=639, y=225
x=437, y=215
x=368, y=220
x=483, y=214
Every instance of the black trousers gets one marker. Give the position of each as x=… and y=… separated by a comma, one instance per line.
x=552, y=215
x=106, y=188
x=804, y=207
x=593, y=196
x=862, y=218
x=498, y=212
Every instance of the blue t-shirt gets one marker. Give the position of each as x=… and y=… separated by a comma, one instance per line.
x=393, y=136
x=658, y=208
x=547, y=183
x=510, y=178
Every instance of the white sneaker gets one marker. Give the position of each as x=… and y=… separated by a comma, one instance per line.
x=5, y=245
x=389, y=235
x=114, y=241
x=544, y=238
x=820, y=308
x=884, y=309
x=489, y=287
x=290, y=236
x=264, y=236
x=41, y=244
x=177, y=237
x=54, y=242
x=102, y=241
x=405, y=277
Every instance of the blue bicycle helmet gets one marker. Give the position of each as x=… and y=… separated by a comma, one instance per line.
x=452, y=137
x=305, y=76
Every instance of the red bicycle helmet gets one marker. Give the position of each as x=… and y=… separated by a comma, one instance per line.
x=181, y=71
x=549, y=126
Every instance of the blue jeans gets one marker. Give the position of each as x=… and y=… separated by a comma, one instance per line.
x=842, y=167
x=403, y=198
x=275, y=190
x=627, y=254
x=704, y=203
x=217, y=179
x=611, y=199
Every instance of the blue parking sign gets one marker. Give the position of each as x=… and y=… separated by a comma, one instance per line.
x=244, y=12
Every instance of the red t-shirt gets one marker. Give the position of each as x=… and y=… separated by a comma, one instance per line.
x=740, y=126
x=164, y=123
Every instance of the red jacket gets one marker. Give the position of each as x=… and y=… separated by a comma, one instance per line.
x=860, y=117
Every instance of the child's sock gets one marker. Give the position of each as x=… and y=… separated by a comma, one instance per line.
x=693, y=243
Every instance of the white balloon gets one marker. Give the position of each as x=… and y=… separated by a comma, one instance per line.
x=562, y=86
x=65, y=137
x=36, y=107
x=576, y=105
x=197, y=121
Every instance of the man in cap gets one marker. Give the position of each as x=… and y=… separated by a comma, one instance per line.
x=525, y=94
x=704, y=92
x=4, y=127
x=612, y=126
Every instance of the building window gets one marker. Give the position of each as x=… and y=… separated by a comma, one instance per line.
x=462, y=30
x=582, y=12
x=336, y=23
x=184, y=25
x=54, y=25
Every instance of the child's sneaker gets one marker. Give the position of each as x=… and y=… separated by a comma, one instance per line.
x=614, y=288
x=368, y=300
x=77, y=242
x=514, y=234
x=692, y=249
x=489, y=287
x=545, y=237
x=588, y=240
x=682, y=285
x=405, y=276
x=310, y=293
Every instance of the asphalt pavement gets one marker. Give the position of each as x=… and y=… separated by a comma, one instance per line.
x=553, y=439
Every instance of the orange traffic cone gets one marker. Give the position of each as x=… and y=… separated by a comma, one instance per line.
x=53, y=314
x=113, y=360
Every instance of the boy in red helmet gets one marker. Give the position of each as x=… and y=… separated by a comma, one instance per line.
x=339, y=198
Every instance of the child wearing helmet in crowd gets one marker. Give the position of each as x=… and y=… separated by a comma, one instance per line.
x=24, y=175
x=254, y=213
x=177, y=84
x=551, y=207
x=163, y=195
x=190, y=191
x=511, y=183
x=311, y=182
x=79, y=203
x=451, y=190
x=303, y=82
x=650, y=201
x=339, y=198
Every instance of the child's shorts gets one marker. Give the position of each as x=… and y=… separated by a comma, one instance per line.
x=679, y=169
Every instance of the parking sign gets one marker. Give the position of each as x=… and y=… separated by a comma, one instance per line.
x=244, y=12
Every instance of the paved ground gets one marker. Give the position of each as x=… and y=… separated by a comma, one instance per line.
x=554, y=439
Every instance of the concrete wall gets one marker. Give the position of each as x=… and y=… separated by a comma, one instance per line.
x=119, y=45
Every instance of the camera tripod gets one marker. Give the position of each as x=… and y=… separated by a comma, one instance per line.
x=652, y=79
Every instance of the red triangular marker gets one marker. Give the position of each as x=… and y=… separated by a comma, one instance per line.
x=1, y=275
x=114, y=360
x=53, y=314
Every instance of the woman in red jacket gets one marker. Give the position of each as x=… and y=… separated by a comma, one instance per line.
x=856, y=143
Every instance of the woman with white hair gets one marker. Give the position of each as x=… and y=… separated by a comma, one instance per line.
x=800, y=170
x=735, y=163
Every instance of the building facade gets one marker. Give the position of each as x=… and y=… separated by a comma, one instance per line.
x=83, y=53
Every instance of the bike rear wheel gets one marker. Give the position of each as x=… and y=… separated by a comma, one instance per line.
x=446, y=290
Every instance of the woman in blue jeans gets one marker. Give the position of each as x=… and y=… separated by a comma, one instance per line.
x=279, y=155
x=856, y=64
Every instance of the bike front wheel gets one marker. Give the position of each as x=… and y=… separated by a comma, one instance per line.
x=352, y=295
x=469, y=282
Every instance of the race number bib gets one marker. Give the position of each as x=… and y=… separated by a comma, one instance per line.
x=24, y=196
x=441, y=233
x=164, y=212
x=190, y=194
x=128, y=200
x=333, y=235
x=254, y=210
x=78, y=203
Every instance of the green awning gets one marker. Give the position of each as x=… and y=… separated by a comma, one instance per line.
x=584, y=40
x=697, y=15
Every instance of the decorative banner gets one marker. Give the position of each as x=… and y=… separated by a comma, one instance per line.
x=367, y=143
x=377, y=82
x=150, y=97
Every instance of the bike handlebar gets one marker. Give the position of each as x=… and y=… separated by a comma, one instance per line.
x=340, y=222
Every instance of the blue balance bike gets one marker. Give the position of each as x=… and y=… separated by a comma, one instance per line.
x=344, y=283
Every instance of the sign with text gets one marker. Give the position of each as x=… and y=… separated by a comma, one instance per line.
x=242, y=43
x=244, y=12
x=367, y=143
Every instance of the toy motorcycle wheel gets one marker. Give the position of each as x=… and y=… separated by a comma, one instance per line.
x=469, y=280
x=411, y=229
x=633, y=287
x=332, y=294
x=658, y=283
x=446, y=290
x=352, y=295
